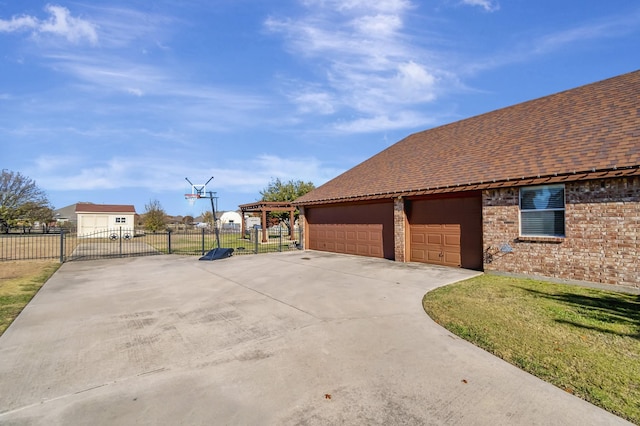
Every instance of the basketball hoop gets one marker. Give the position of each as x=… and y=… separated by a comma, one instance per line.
x=191, y=198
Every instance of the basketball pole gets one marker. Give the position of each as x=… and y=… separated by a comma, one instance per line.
x=213, y=207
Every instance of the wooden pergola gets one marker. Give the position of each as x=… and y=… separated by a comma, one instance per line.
x=265, y=207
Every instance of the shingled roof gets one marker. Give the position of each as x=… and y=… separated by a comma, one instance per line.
x=589, y=132
x=104, y=208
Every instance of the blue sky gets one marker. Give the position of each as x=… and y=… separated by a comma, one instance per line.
x=118, y=101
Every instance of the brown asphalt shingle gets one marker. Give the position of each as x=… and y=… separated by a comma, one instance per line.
x=104, y=208
x=587, y=132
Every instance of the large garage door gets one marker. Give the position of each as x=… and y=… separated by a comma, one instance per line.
x=437, y=244
x=360, y=239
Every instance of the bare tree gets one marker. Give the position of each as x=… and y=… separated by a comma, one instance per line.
x=21, y=200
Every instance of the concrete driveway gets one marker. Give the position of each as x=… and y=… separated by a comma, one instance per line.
x=300, y=338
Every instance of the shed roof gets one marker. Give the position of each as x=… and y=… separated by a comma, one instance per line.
x=588, y=132
x=104, y=208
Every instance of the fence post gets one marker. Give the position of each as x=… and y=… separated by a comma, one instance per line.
x=203, y=241
x=62, y=246
x=280, y=242
x=120, y=243
x=169, y=241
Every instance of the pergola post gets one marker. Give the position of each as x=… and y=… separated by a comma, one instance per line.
x=292, y=218
x=264, y=226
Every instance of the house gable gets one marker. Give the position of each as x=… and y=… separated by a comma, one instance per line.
x=585, y=133
x=463, y=194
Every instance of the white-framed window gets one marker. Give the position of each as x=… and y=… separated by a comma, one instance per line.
x=121, y=220
x=542, y=211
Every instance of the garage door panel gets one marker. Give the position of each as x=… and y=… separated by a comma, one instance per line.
x=434, y=256
x=434, y=238
x=359, y=239
x=435, y=243
x=362, y=250
x=418, y=239
x=452, y=240
x=451, y=258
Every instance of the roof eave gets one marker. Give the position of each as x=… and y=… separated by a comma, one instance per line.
x=493, y=184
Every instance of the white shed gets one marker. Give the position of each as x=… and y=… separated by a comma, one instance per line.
x=230, y=221
x=231, y=217
x=105, y=220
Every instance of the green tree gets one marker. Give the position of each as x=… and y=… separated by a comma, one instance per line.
x=207, y=217
x=155, y=218
x=33, y=212
x=20, y=200
x=285, y=192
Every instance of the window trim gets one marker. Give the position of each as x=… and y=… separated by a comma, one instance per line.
x=556, y=209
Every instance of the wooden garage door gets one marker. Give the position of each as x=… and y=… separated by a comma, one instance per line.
x=360, y=239
x=438, y=244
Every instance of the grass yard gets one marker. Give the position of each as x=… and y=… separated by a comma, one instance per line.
x=582, y=340
x=19, y=282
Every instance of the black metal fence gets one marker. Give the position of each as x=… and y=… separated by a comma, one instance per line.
x=67, y=246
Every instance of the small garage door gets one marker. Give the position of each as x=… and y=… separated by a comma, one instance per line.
x=360, y=239
x=93, y=224
x=437, y=244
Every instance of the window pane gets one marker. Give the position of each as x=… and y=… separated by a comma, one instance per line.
x=542, y=198
x=545, y=223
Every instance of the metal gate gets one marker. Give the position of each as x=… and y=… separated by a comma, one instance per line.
x=110, y=243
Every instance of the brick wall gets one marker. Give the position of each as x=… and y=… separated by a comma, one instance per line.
x=602, y=242
x=399, y=227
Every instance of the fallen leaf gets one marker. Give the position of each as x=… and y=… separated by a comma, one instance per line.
x=327, y=396
x=464, y=381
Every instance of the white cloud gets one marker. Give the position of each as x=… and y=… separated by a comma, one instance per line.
x=19, y=23
x=63, y=24
x=121, y=27
x=60, y=23
x=75, y=173
x=310, y=101
x=586, y=34
x=415, y=82
x=384, y=6
x=378, y=25
x=135, y=91
x=401, y=120
x=364, y=55
x=488, y=5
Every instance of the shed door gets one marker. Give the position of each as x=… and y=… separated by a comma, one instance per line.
x=360, y=239
x=437, y=244
x=94, y=223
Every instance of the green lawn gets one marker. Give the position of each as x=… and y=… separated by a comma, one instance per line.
x=19, y=282
x=582, y=340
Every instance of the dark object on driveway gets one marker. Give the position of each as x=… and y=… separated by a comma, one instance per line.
x=217, y=253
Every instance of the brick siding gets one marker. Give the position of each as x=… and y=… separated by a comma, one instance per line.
x=602, y=227
x=399, y=227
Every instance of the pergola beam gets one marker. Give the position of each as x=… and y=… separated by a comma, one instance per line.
x=264, y=207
